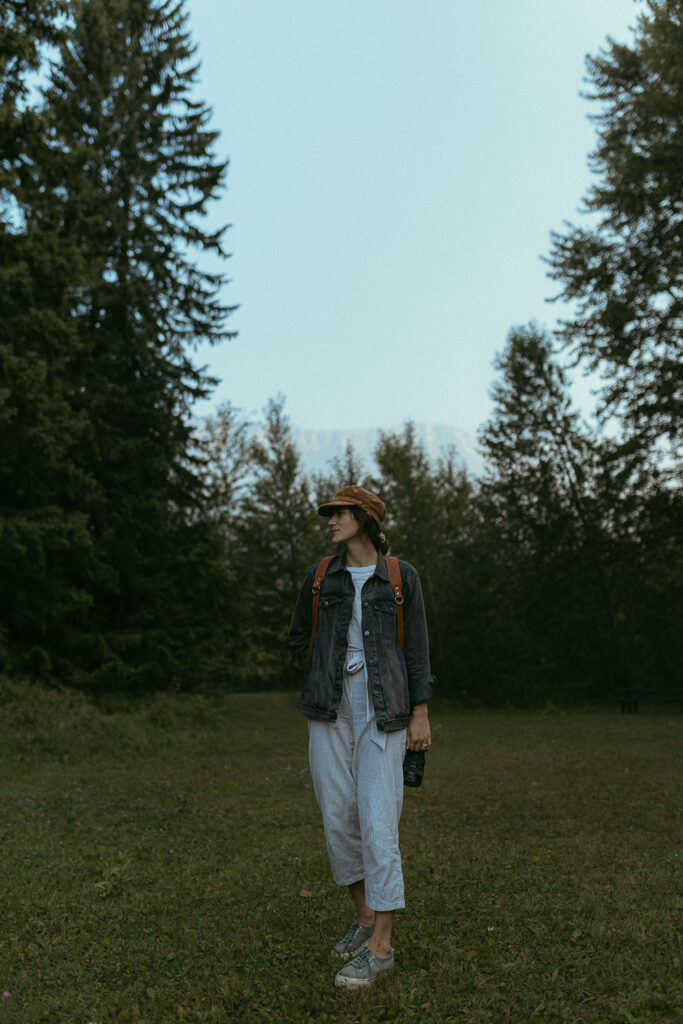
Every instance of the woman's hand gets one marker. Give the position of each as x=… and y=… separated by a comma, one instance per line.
x=418, y=733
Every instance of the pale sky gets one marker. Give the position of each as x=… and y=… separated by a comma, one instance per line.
x=396, y=167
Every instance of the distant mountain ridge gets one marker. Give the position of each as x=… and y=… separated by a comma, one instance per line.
x=318, y=447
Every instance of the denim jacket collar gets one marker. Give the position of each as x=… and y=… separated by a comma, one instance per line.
x=339, y=562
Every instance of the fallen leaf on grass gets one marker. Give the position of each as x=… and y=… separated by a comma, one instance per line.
x=305, y=893
x=427, y=1006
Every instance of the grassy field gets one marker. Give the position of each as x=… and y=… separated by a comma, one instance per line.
x=168, y=865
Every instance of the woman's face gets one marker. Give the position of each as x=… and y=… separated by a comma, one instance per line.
x=343, y=526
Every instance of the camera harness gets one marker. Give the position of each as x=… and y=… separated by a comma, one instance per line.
x=396, y=586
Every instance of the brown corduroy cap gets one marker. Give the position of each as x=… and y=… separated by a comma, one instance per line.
x=358, y=496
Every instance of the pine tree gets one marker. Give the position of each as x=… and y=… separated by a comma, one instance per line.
x=44, y=539
x=279, y=541
x=226, y=447
x=625, y=275
x=541, y=493
x=425, y=513
x=410, y=491
x=120, y=185
x=532, y=441
x=24, y=26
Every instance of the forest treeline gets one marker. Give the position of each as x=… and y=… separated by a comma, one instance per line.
x=142, y=550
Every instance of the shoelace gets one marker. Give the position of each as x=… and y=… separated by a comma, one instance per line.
x=350, y=935
x=363, y=958
x=353, y=932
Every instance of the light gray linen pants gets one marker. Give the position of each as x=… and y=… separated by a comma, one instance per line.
x=359, y=788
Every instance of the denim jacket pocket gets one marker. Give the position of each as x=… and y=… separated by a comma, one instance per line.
x=384, y=609
x=321, y=665
x=329, y=612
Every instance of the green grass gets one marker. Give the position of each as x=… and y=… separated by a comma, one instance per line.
x=153, y=860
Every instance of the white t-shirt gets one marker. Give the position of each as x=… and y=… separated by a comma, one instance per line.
x=354, y=640
x=354, y=637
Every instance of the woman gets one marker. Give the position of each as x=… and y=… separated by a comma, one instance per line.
x=365, y=695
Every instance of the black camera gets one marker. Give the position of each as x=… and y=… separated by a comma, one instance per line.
x=413, y=767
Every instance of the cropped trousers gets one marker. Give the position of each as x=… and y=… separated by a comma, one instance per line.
x=358, y=784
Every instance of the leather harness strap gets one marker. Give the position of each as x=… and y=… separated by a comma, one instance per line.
x=396, y=586
x=317, y=584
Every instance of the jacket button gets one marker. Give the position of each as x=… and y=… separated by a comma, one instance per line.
x=367, y=632
x=365, y=604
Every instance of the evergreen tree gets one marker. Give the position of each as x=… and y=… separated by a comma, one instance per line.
x=426, y=509
x=24, y=26
x=226, y=447
x=625, y=275
x=540, y=492
x=120, y=185
x=532, y=441
x=44, y=539
x=279, y=541
x=410, y=492
x=346, y=470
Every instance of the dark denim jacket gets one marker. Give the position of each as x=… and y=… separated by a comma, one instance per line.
x=396, y=682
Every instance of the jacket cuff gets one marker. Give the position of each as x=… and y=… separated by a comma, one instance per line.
x=423, y=692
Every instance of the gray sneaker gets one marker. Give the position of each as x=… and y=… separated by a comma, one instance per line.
x=355, y=938
x=365, y=968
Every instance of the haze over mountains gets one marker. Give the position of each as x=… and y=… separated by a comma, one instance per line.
x=318, y=447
